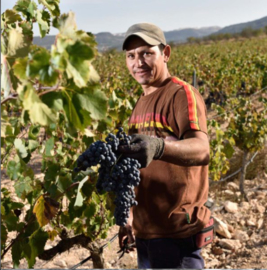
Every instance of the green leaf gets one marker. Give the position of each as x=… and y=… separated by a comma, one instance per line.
x=40, y=66
x=10, y=16
x=52, y=6
x=33, y=145
x=23, y=186
x=20, y=146
x=20, y=68
x=54, y=100
x=3, y=235
x=95, y=102
x=37, y=243
x=43, y=19
x=79, y=50
x=13, y=169
x=6, y=129
x=38, y=111
x=90, y=210
x=34, y=132
x=26, y=7
x=11, y=221
x=64, y=182
x=49, y=146
x=16, y=254
x=79, y=197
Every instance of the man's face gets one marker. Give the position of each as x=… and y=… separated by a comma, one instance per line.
x=145, y=63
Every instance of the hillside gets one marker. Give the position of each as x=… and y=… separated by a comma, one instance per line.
x=237, y=28
x=108, y=40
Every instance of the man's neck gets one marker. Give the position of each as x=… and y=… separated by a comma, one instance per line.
x=150, y=88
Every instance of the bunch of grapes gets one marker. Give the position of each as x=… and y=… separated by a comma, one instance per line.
x=116, y=173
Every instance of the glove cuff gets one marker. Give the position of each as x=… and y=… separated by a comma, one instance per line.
x=160, y=145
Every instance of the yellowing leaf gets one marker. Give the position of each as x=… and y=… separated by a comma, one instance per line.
x=52, y=234
x=89, y=133
x=38, y=210
x=15, y=40
x=45, y=210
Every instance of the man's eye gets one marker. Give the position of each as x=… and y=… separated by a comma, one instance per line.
x=147, y=53
x=130, y=56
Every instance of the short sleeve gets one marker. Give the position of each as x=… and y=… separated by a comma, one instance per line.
x=189, y=111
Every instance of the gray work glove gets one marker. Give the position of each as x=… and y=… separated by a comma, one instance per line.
x=143, y=148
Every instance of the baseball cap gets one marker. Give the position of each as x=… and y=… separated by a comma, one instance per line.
x=149, y=32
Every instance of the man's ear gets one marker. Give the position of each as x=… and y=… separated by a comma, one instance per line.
x=167, y=53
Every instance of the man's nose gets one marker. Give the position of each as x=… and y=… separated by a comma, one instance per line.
x=139, y=61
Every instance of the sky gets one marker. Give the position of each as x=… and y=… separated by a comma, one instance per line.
x=116, y=16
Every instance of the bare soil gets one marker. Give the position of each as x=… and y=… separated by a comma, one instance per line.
x=250, y=219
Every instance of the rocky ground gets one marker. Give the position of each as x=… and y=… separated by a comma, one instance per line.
x=240, y=241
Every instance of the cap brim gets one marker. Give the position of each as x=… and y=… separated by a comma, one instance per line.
x=147, y=39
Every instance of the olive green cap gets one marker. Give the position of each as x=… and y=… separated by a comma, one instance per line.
x=149, y=32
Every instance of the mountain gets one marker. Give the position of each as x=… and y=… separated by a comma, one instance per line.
x=181, y=35
x=46, y=42
x=237, y=28
x=107, y=40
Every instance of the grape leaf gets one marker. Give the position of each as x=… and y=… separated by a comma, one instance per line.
x=6, y=84
x=13, y=169
x=20, y=146
x=37, y=242
x=95, y=102
x=79, y=197
x=52, y=6
x=26, y=7
x=33, y=145
x=18, y=43
x=20, y=67
x=43, y=19
x=23, y=186
x=38, y=111
x=45, y=210
x=10, y=16
x=3, y=235
x=49, y=146
x=11, y=221
x=39, y=66
x=33, y=132
x=66, y=24
x=16, y=254
x=54, y=100
x=90, y=210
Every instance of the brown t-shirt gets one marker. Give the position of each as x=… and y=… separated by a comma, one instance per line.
x=170, y=197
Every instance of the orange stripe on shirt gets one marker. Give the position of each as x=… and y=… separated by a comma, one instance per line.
x=192, y=103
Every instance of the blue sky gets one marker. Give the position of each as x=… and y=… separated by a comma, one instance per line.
x=116, y=16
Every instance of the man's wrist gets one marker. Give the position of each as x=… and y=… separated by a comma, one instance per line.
x=160, y=145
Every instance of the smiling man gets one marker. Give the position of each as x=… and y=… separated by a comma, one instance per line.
x=169, y=139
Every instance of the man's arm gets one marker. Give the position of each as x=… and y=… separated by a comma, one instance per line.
x=193, y=150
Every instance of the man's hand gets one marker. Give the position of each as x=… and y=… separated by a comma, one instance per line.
x=143, y=148
x=127, y=231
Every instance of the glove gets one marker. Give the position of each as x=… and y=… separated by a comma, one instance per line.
x=143, y=148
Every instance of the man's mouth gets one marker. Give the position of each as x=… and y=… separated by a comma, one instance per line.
x=142, y=72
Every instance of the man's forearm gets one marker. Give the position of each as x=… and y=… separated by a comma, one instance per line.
x=192, y=151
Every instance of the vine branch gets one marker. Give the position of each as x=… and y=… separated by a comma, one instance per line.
x=64, y=245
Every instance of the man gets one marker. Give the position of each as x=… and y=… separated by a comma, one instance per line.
x=170, y=141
